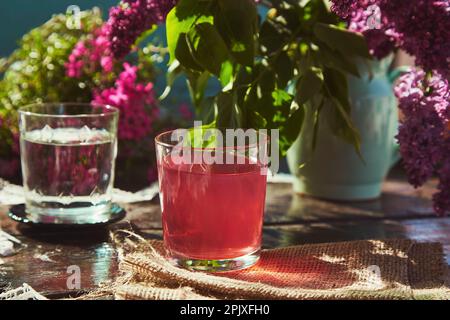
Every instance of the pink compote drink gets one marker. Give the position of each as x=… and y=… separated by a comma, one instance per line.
x=212, y=212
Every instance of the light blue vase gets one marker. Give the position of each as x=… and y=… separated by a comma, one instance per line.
x=333, y=170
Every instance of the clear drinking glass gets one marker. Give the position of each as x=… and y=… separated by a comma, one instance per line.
x=212, y=209
x=68, y=153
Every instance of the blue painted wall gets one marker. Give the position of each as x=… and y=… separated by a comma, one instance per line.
x=19, y=16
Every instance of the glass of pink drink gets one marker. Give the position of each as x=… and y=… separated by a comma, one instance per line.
x=212, y=202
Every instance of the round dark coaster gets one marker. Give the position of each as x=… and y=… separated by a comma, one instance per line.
x=19, y=214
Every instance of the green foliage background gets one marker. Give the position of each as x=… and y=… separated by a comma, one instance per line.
x=270, y=68
x=35, y=72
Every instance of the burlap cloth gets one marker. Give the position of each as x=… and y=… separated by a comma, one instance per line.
x=373, y=269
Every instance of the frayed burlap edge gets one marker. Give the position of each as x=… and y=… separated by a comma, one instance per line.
x=148, y=275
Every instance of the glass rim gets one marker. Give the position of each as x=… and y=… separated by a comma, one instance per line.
x=246, y=146
x=108, y=110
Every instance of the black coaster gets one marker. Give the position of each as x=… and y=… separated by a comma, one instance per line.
x=19, y=214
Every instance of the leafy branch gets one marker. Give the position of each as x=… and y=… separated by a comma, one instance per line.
x=271, y=69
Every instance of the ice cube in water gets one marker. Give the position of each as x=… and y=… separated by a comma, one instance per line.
x=46, y=134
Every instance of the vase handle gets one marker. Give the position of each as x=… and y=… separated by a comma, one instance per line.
x=395, y=73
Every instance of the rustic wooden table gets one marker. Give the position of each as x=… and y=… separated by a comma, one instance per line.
x=290, y=219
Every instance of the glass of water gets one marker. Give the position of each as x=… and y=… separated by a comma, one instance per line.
x=68, y=153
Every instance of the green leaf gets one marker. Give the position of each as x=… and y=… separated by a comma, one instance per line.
x=256, y=120
x=316, y=119
x=226, y=75
x=207, y=110
x=181, y=19
x=184, y=55
x=337, y=86
x=344, y=127
x=202, y=136
x=344, y=41
x=294, y=124
x=290, y=125
x=207, y=47
x=340, y=121
x=281, y=107
x=272, y=37
x=309, y=85
x=228, y=113
x=280, y=97
x=173, y=72
x=197, y=85
x=336, y=60
x=237, y=22
x=288, y=15
x=267, y=82
x=284, y=69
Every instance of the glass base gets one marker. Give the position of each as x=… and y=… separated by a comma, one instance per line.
x=72, y=214
x=224, y=265
x=19, y=213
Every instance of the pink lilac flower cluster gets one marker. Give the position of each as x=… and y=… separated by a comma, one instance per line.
x=420, y=27
x=365, y=16
x=424, y=134
x=9, y=167
x=131, y=18
x=91, y=55
x=132, y=99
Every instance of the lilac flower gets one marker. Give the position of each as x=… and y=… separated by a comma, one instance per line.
x=365, y=16
x=421, y=28
x=9, y=147
x=131, y=18
x=91, y=55
x=136, y=102
x=344, y=8
x=9, y=167
x=424, y=135
x=424, y=31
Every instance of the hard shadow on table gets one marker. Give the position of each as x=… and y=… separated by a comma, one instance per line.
x=307, y=272
x=323, y=271
x=334, y=265
x=374, y=266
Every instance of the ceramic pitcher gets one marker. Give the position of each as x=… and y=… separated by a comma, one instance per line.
x=334, y=170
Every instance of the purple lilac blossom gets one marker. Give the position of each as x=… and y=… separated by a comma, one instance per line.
x=10, y=165
x=91, y=55
x=131, y=18
x=136, y=102
x=424, y=133
x=420, y=27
